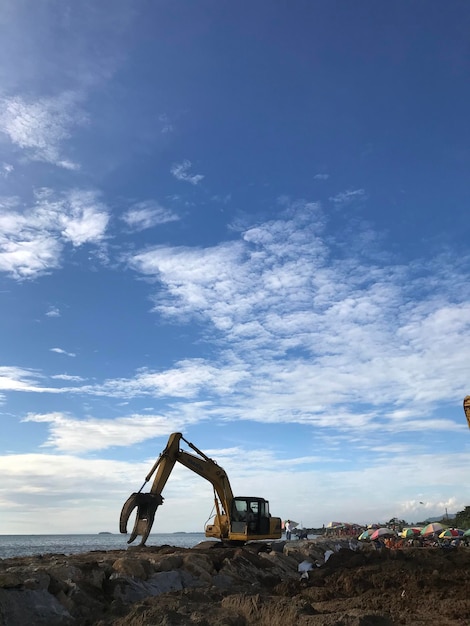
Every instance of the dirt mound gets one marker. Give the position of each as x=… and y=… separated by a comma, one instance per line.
x=414, y=587
x=215, y=586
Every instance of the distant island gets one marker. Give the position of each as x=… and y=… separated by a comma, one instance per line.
x=105, y=532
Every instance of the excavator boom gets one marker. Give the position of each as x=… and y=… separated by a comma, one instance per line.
x=466, y=408
x=237, y=519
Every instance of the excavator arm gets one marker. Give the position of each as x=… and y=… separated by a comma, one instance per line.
x=147, y=503
x=466, y=408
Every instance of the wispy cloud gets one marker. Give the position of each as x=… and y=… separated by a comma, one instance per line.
x=347, y=197
x=32, y=239
x=148, y=214
x=321, y=176
x=61, y=351
x=181, y=172
x=68, y=377
x=53, y=312
x=40, y=127
x=299, y=324
x=166, y=125
x=99, y=434
x=84, y=219
x=298, y=338
x=20, y=379
x=186, y=380
x=6, y=169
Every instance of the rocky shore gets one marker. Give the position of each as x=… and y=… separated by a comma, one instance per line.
x=320, y=582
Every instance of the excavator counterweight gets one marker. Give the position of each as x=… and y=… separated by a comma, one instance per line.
x=237, y=520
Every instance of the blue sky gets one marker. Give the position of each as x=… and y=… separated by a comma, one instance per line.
x=243, y=221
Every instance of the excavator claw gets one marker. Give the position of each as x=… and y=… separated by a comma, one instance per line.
x=147, y=505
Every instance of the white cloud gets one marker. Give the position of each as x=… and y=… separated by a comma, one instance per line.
x=347, y=197
x=167, y=126
x=187, y=379
x=6, y=169
x=53, y=312
x=60, y=351
x=67, y=434
x=41, y=126
x=68, y=377
x=68, y=486
x=302, y=339
x=304, y=326
x=181, y=172
x=71, y=486
x=85, y=219
x=148, y=214
x=19, y=379
x=29, y=256
x=321, y=176
x=32, y=239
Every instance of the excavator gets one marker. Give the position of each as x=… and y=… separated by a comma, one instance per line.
x=466, y=408
x=237, y=519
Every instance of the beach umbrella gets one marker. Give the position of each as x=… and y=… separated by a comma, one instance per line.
x=334, y=524
x=365, y=534
x=382, y=532
x=292, y=524
x=408, y=533
x=451, y=533
x=466, y=533
x=431, y=529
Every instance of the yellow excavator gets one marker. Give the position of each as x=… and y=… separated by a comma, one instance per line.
x=237, y=519
x=466, y=408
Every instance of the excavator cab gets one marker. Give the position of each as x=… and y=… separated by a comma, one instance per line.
x=249, y=520
x=250, y=515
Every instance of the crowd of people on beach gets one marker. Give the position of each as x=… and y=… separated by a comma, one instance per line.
x=430, y=536
x=391, y=536
x=432, y=541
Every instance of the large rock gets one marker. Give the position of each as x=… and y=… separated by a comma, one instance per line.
x=38, y=608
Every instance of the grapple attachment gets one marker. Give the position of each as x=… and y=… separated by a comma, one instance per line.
x=147, y=505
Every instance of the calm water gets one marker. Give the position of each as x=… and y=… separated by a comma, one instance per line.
x=28, y=545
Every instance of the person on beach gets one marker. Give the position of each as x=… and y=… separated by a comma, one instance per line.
x=288, y=530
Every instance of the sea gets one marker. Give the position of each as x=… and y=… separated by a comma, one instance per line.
x=30, y=545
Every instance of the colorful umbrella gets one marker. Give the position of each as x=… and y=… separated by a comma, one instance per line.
x=382, y=532
x=408, y=533
x=365, y=534
x=431, y=529
x=451, y=533
x=292, y=524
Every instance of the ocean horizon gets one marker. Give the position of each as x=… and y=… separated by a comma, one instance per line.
x=31, y=545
